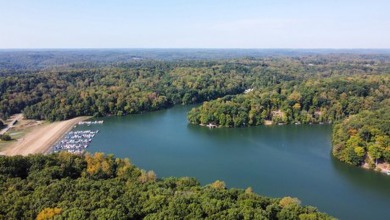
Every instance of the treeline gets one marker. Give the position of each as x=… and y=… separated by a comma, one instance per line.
x=122, y=84
x=311, y=101
x=67, y=186
x=112, y=91
x=363, y=138
x=127, y=88
x=28, y=61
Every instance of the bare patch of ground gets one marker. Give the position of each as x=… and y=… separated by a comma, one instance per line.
x=37, y=136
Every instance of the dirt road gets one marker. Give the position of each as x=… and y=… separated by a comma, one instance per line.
x=11, y=124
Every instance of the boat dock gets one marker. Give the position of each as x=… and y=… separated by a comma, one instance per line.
x=75, y=141
x=90, y=122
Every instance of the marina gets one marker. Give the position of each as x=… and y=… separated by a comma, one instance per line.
x=75, y=141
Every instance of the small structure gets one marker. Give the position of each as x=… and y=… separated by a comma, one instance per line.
x=90, y=122
x=248, y=90
x=210, y=125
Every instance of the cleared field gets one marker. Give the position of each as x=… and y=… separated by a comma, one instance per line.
x=36, y=137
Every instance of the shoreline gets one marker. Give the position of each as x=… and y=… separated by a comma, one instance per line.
x=41, y=138
x=380, y=168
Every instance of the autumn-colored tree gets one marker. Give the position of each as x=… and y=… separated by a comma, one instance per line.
x=218, y=185
x=99, y=164
x=48, y=213
x=148, y=176
x=289, y=201
x=123, y=167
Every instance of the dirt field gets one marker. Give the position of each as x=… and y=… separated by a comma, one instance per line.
x=40, y=137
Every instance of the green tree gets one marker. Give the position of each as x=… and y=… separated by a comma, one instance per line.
x=375, y=152
x=6, y=137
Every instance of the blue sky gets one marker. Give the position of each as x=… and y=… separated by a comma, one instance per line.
x=195, y=24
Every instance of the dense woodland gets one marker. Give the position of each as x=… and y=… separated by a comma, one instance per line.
x=364, y=137
x=297, y=87
x=68, y=186
x=322, y=100
x=124, y=89
x=358, y=103
x=45, y=85
x=351, y=90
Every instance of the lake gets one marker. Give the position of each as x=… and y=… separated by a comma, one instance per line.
x=277, y=161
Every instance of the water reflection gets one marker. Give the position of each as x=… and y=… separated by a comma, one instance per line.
x=362, y=178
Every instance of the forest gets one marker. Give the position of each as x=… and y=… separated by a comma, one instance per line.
x=358, y=105
x=311, y=101
x=363, y=138
x=43, y=86
x=237, y=88
x=98, y=186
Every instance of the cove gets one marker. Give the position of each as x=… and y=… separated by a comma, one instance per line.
x=275, y=161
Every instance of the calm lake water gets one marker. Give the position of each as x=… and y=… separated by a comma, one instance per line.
x=275, y=161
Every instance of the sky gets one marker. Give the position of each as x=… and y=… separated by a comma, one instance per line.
x=194, y=24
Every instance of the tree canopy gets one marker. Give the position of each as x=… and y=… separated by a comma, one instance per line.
x=63, y=85
x=237, y=88
x=98, y=186
x=311, y=101
x=364, y=137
